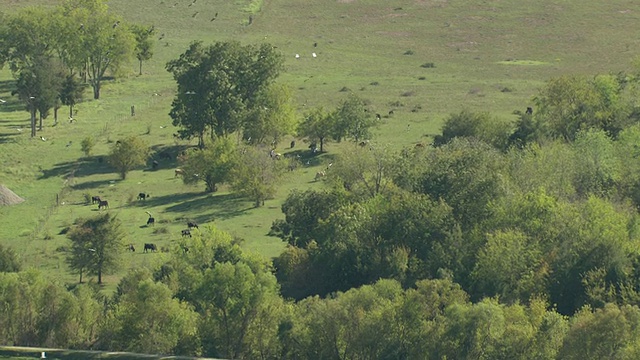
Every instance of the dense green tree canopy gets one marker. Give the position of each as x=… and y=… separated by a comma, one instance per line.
x=220, y=85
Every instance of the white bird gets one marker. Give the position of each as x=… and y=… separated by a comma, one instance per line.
x=313, y=54
x=19, y=129
x=2, y=101
x=297, y=56
x=43, y=138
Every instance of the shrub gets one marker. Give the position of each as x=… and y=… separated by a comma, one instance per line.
x=87, y=145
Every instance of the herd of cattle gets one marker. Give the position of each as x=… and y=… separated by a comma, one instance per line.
x=148, y=247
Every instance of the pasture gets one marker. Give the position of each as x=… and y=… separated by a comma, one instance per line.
x=423, y=59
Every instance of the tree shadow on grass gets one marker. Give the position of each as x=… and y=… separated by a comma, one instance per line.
x=219, y=206
x=91, y=184
x=88, y=166
x=7, y=137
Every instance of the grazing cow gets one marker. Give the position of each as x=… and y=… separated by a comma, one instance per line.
x=529, y=111
x=363, y=143
x=103, y=204
x=150, y=247
x=186, y=232
x=319, y=175
x=185, y=248
x=143, y=196
x=151, y=221
x=378, y=117
x=192, y=225
x=154, y=164
x=293, y=143
x=419, y=145
x=179, y=172
x=390, y=112
x=131, y=248
x=95, y=199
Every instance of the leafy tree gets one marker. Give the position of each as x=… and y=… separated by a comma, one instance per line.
x=510, y=266
x=105, y=41
x=466, y=175
x=213, y=164
x=144, y=43
x=478, y=125
x=27, y=35
x=598, y=169
x=351, y=120
x=365, y=172
x=147, y=319
x=611, y=332
x=317, y=126
x=256, y=175
x=304, y=212
x=127, y=154
x=550, y=167
x=38, y=86
x=233, y=297
x=273, y=118
x=568, y=104
x=87, y=145
x=218, y=86
x=96, y=245
x=9, y=261
x=71, y=92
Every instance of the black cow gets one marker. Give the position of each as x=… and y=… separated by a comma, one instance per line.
x=186, y=232
x=143, y=196
x=378, y=117
x=95, y=199
x=529, y=111
x=103, y=204
x=293, y=143
x=151, y=221
x=150, y=247
x=192, y=225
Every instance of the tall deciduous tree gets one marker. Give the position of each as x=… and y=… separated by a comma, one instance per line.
x=256, y=175
x=127, y=154
x=218, y=86
x=96, y=245
x=71, y=92
x=106, y=42
x=273, y=118
x=147, y=319
x=351, y=120
x=213, y=164
x=144, y=43
x=317, y=126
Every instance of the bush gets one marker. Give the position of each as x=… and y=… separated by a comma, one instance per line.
x=9, y=261
x=87, y=145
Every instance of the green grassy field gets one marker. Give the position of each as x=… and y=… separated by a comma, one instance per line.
x=490, y=56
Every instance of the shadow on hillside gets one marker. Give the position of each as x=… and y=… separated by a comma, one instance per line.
x=91, y=184
x=85, y=167
x=6, y=137
x=221, y=206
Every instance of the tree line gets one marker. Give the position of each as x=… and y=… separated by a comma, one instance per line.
x=54, y=53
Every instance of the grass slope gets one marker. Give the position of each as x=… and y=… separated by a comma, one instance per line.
x=487, y=56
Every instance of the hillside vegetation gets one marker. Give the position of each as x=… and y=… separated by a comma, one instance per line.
x=495, y=194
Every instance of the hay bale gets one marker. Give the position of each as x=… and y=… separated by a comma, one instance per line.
x=8, y=197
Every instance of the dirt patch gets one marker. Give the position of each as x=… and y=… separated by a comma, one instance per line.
x=346, y=1
x=8, y=197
